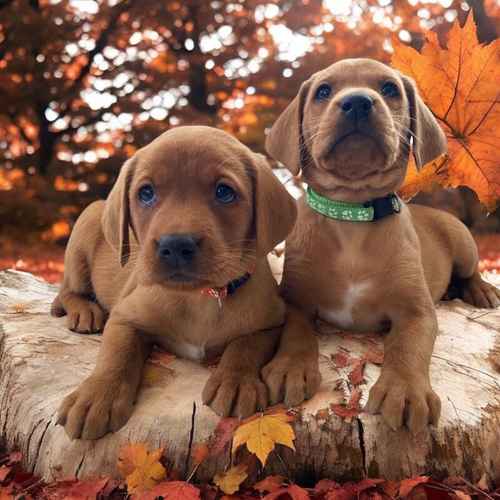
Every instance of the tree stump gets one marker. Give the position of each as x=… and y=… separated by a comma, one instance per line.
x=42, y=361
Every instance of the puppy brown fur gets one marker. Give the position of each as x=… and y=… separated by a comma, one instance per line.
x=121, y=253
x=383, y=275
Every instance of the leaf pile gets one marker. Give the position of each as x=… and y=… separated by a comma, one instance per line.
x=146, y=478
x=460, y=85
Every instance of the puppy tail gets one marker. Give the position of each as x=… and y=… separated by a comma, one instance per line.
x=57, y=309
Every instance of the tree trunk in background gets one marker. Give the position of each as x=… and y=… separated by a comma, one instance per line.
x=41, y=361
x=198, y=90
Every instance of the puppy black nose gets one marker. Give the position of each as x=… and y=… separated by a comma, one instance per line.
x=356, y=106
x=177, y=250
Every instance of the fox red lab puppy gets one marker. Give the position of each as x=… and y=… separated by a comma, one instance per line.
x=358, y=257
x=177, y=257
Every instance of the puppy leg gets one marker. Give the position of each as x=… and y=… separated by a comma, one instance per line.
x=104, y=401
x=472, y=288
x=403, y=388
x=293, y=374
x=84, y=315
x=235, y=388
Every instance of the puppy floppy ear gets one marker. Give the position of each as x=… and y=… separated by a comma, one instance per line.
x=285, y=141
x=275, y=210
x=115, y=219
x=429, y=140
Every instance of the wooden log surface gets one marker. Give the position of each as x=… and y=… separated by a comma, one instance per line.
x=41, y=361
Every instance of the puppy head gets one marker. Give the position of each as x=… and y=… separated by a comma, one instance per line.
x=350, y=127
x=201, y=206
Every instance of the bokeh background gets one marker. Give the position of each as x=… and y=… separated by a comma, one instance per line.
x=84, y=84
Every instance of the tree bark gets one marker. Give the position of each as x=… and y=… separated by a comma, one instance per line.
x=41, y=361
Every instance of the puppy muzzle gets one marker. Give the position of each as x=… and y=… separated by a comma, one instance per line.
x=177, y=254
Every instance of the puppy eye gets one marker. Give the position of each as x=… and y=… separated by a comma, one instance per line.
x=323, y=92
x=147, y=195
x=389, y=89
x=224, y=193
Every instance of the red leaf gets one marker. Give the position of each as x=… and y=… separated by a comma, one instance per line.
x=270, y=483
x=352, y=409
x=356, y=375
x=391, y=488
x=368, y=483
x=222, y=435
x=340, y=494
x=4, y=472
x=324, y=485
x=208, y=492
x=292, y=492
x=200, y=453
x=407, y=485
x=15, y=457
x=7, y=493
x=350, y=491
x=172, y=490
x=73, y=489
x=340, y=359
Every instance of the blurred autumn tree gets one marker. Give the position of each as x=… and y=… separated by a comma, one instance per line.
x=83, y=84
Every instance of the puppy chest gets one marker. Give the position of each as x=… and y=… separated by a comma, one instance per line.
x=351, y=306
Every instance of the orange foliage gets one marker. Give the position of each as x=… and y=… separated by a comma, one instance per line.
x=141, y=468
x=460, y=85
x=57, y=231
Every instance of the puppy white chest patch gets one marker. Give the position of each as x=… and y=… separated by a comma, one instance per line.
x=343, y=317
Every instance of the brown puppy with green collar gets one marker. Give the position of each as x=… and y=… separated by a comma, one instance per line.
x=177, y=256
x=359, y=258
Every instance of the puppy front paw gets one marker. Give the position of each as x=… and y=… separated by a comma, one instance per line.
x=291, y=379
x=85, y=317
x=398, y=398
x=235, y=393
x=480, y=293
x=98, y=406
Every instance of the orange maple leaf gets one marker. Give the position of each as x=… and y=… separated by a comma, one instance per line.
x=459, y=83
x=426, y=179
x=229, y=482
x=262, y=433
x=141, y=468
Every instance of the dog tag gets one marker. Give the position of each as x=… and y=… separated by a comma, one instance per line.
x=217, y=293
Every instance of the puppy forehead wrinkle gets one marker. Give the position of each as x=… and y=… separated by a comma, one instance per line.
x=357, y=72
x=188, y=149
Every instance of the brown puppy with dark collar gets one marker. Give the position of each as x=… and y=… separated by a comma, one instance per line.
x=177, y=257
x=349, y=131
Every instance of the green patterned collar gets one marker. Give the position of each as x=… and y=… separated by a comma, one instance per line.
x=355, y=212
